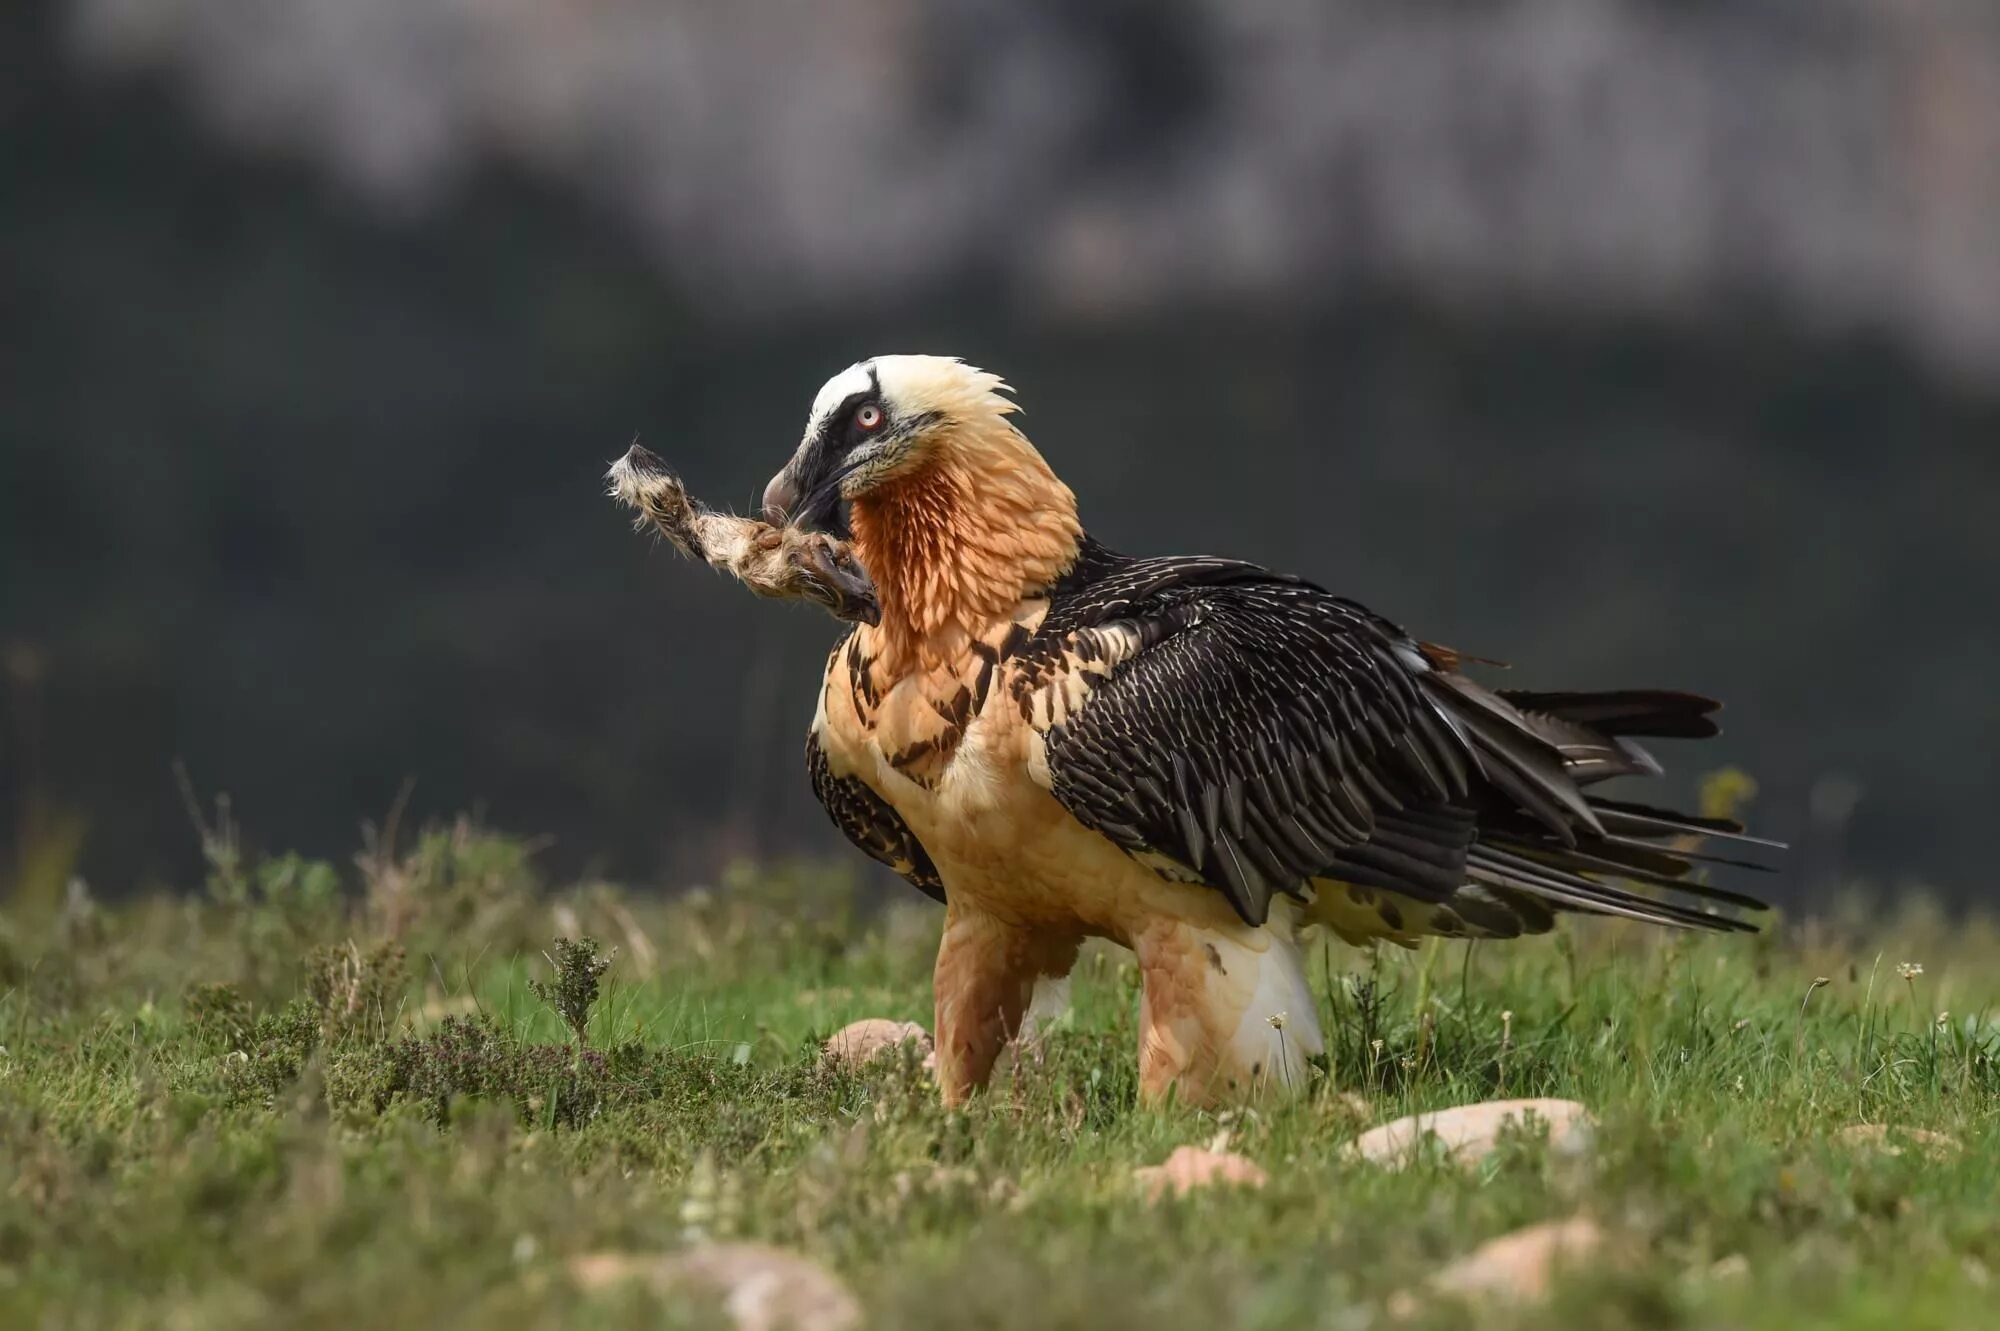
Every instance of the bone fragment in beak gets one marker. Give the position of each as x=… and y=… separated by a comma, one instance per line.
x=779, y=562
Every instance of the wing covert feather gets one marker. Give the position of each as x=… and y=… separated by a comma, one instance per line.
x=1256, y=733
x=1252, y=730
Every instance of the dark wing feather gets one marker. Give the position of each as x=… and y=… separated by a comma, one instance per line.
x=1663, y=713
x=866, y=819
x=1257, y=732
x=1262, y=734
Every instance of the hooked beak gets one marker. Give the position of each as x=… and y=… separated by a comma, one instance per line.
x=809, y=501
x=781, y=497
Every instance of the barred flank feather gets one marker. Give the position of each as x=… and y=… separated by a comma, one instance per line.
x=866, y=819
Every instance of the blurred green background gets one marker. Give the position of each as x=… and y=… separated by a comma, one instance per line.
x=1645, y=343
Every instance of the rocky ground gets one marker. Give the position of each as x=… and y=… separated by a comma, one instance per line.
x=384, y=1096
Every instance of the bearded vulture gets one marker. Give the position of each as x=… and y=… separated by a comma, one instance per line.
x=1193, y=757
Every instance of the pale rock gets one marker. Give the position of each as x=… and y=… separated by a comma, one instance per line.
x=860, y=1043
x=1733, y=1267
x=760, y=1288
x=1345, y=1107
x=1192, y=1167
x=1467, y=1133
x=1890, y=1138
x=1520, y=1266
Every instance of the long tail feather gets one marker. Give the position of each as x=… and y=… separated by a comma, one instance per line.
x=1660, y=713
x=1552, y=844
x=1642, y=820
x=1573, y=891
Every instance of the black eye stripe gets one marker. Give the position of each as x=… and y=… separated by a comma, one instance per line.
x=841, y=432
x=843, y=413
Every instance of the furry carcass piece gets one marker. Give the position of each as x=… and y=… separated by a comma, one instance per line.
x=783, y=563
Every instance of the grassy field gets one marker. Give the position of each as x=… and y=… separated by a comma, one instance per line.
x=319, y=1098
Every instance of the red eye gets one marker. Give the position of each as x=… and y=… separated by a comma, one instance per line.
x=869, y=416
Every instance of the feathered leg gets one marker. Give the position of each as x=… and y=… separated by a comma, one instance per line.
x=1225, y=1011
x=985, y=981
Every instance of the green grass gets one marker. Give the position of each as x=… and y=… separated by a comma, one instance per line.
x=250, y=1107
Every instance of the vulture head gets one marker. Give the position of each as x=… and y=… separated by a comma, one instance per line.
x=885, y=420
x=951, y=511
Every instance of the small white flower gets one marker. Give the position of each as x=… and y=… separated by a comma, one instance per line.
x=1910, y=970
x=1277, y=1020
